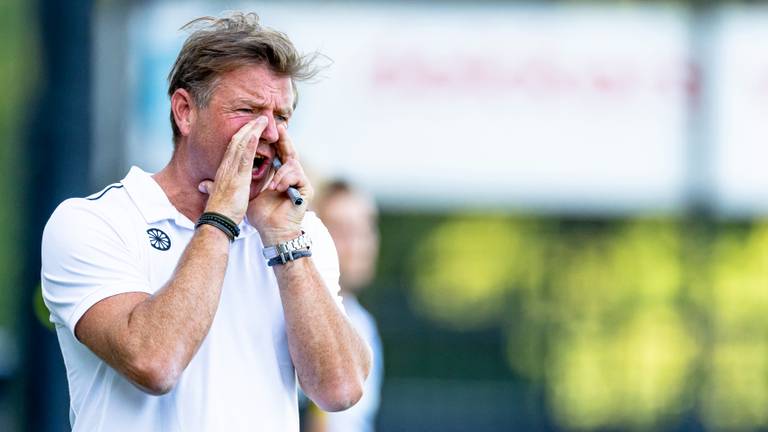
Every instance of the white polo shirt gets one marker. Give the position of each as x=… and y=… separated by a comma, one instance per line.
x=128, y=238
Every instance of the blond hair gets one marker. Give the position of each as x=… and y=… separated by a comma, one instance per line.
x=220, y=45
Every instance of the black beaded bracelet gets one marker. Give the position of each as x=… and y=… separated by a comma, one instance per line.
x=290, y=256
x=221, y=222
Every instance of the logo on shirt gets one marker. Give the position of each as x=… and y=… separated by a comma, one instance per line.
x=158, y=239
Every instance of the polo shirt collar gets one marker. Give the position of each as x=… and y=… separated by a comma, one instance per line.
x=154, y=205
x=148, y=196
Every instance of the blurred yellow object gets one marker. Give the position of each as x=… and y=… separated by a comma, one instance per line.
x=466, y=266
x=633, y=375
x=736, y=391
x=625, y=324
x=735, y=394
x=607, y=274
x=739, y=302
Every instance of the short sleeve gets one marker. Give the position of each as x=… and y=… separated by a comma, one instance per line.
x=84, y=260
x=324, y=254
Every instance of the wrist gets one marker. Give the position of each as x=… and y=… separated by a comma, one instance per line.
x=212, y=231
x=220, y=222
x=283, y=252
x=222, y=210
x=273, y=237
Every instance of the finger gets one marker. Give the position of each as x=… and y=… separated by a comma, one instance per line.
x=249, y=127
x=251, y=143
x=284, y=144
x=238, y=137
x=298, y=180
x=286, y=182
x=233, y=153
x=239, y=141
x=249, y=152
x=205, y=186
x=279, y=175
x=289, y=175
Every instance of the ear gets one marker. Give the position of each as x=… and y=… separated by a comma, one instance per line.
x=183, y=109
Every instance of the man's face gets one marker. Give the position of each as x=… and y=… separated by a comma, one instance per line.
x=240, y=96
x=351, y=220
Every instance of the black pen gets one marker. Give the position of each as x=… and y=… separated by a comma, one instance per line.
x=292, y=191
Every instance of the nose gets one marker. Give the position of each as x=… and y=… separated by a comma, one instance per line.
x=270, y=134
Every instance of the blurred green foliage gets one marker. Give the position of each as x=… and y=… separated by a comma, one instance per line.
x=736, y=387
x=625, y=324
x=454, y=261
x=18, y=72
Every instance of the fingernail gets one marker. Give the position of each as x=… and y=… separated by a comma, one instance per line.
x=262, y=120
x=201, y=187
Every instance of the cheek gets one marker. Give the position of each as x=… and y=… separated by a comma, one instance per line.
x=234, y=124
x=221, y=132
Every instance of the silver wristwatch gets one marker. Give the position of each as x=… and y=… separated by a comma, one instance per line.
x=285, y=250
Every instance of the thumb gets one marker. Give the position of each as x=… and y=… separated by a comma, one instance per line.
x=205, y=186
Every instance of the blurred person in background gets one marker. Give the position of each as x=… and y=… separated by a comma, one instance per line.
x=167, y=324
x=351, y=217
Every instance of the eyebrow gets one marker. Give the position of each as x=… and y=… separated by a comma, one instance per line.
x=254, y=103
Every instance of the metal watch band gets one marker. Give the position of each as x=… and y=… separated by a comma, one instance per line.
x=302, y=242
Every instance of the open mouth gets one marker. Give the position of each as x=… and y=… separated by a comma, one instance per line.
x=260, y=166
x=258, y=161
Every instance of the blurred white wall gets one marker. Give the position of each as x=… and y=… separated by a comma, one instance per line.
x=739, y=111
x=548, y=108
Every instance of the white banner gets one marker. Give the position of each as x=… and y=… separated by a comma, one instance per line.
x=739, y=59
x=567, y=109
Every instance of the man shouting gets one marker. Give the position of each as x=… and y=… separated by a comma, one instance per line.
x=192, y=299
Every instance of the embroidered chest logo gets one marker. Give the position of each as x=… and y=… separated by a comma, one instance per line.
x=158, y=239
